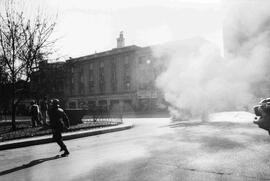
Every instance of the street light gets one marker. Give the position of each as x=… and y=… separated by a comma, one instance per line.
x=148, y=62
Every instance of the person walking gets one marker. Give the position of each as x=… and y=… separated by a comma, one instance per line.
x=58, y=122
x=43, y=110
x=34, y=111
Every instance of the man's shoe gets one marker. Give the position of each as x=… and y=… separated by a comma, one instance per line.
x=66, y=153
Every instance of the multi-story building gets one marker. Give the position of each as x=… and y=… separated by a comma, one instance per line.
x=48, y=80
x=124, y=75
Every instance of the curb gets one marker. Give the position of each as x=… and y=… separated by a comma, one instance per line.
x=66, y=136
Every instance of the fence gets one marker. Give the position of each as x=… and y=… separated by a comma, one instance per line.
x=102, y=113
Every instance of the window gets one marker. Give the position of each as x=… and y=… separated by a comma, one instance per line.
x=72, y=85
x=81, y=89
x=91, y=66
x=91, y=76
x=81, y=82
x=126, y=60
x=127, y=82
x=91, y=83
x=101, y=77
x=81, y=78
x=127, y=86
x=101, y=65
x=91, y=104
x=91, y=86
x=113, y=76
x=72, y=105
x=143, y=86
x=127, y=74
x=102, y=103
x=141, y=60
x=127, y=64
x=81, y=75
x=101, y=86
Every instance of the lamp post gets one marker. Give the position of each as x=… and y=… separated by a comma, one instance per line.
x=148, y=62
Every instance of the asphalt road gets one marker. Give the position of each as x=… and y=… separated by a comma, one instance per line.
x=226, y=147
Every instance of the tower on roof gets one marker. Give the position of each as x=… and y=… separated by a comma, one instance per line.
x=120, y=40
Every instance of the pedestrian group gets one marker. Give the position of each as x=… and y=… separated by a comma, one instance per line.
x=58, y=120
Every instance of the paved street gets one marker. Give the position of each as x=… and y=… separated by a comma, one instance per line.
x=227, y=147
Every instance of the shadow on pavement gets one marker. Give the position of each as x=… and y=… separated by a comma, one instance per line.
x=30, y=164
x=216, y=136
x=205, y=123
x=214, y=144
x=147, y=115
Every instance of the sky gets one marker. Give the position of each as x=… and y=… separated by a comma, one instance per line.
x=88, y=26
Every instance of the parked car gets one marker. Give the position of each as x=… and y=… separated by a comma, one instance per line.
x=262, y=112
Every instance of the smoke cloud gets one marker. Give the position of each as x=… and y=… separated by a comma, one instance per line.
x=197, y=80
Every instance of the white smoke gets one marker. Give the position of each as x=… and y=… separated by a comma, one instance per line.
x=197, y=80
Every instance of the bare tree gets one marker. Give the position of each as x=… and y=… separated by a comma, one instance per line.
x=24, y=42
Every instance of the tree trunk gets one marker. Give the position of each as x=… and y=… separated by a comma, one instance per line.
x=13, y=116
x=13, y=108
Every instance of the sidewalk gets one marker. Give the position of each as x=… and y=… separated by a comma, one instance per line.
x=66, y=136
x=25, y=129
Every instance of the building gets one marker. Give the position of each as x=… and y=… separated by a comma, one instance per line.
x=124, y=75
x=48, y=80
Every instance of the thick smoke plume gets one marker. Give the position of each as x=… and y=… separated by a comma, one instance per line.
x=197, y=80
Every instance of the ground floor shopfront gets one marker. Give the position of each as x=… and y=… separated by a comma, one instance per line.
x=128, y=102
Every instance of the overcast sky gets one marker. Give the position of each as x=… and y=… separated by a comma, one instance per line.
x=86, y=26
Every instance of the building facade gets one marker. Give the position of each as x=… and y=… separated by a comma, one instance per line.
x=48, y=81
x=122, y=77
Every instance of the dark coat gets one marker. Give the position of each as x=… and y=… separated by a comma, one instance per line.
x=44, y=106
x=34, y=110
x=58, y=119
